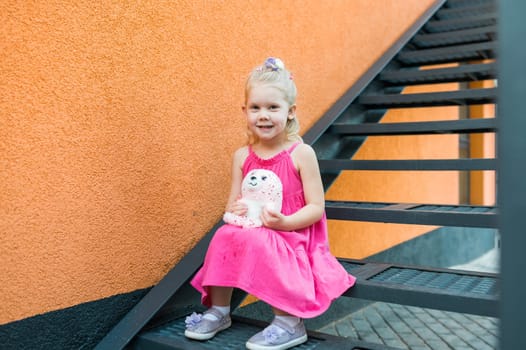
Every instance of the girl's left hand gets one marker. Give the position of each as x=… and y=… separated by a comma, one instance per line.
x=273, y=219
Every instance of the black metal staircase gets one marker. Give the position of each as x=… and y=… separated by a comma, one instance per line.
x=453, y=31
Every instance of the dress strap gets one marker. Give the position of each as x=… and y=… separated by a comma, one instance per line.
x=293, y=147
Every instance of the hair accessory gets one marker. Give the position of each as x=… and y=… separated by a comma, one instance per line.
x=274, y=64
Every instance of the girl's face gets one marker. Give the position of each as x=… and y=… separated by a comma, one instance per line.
x=267, y=112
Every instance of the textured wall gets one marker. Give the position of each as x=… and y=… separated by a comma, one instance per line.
x=118, y=119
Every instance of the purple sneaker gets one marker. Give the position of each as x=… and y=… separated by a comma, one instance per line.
x=200, y=328
x=278, y=336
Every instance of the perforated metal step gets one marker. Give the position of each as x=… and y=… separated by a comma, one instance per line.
x=465, y=11
x=420, y=214
x=464, y=36
x=448, y=98
x=456, y=53
x=171, y=336
x=436, y=26
x=334, y=166
x=468, y=3
x=417, y=128
x=444, y=289
x=466, y=72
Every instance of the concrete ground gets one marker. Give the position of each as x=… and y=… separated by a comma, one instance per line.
x=413, y=328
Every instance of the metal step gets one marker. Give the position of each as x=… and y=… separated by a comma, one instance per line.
x=171, y=336
x=462, y=73
x=448, y=54
x=419, y=214
x=436, y=26
x=465, y=11
x=461, y=126
x=334, y=166
x=467, y=3
x=464, y=36
x=430, y=99
x=443, y=289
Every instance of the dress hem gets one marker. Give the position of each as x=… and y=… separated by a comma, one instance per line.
x=205, y=296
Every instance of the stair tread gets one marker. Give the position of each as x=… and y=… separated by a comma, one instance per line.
x=416, y=128
x=445, y=98
x=467, y=3
x=452, y=53
x=171, y=336
x=465, y=72
x=337, y=165
x=444, y=289
x=465, y=11
x=410, y=213
x=461, y=36
x=436, y=26
x=461, y=208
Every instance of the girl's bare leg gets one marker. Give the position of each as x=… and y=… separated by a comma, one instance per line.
x=279, y=312
x=221, y=296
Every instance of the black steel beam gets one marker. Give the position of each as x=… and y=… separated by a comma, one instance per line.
x=511, y=152
x=158, y=296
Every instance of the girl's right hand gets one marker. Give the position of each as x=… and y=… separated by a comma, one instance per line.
x=238, y=208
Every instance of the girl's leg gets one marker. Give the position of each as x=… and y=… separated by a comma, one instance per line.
x=285, y=331
x=289, y=319
x=279, y=312
x=215, y=319
x=220, y=296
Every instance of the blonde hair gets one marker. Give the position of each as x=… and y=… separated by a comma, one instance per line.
x=273, y=72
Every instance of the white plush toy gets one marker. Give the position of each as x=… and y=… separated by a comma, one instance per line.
x=260, y=188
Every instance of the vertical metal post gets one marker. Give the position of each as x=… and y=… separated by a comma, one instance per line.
x=512, y=171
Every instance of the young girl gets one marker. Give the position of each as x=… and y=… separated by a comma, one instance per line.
x=286, y=262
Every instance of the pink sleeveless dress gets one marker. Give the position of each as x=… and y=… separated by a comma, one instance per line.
x=292, y=271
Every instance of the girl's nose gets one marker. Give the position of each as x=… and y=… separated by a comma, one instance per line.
x=262, y=115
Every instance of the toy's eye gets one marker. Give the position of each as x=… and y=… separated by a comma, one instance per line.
x=253, y=178
x=263, y=178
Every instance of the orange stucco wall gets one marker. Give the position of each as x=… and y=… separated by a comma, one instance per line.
x=118, y=120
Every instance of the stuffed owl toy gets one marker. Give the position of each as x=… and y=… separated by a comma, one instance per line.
x=260, y=188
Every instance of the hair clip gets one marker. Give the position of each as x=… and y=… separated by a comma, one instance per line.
x=274, y=64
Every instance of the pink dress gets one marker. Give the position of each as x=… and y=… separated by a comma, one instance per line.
x=292, y=271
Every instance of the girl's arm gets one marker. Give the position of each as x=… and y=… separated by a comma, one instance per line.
x=233, y=206
x=307, y=163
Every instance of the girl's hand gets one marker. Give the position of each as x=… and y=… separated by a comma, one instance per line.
x=273, y=219
x=238, y=208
